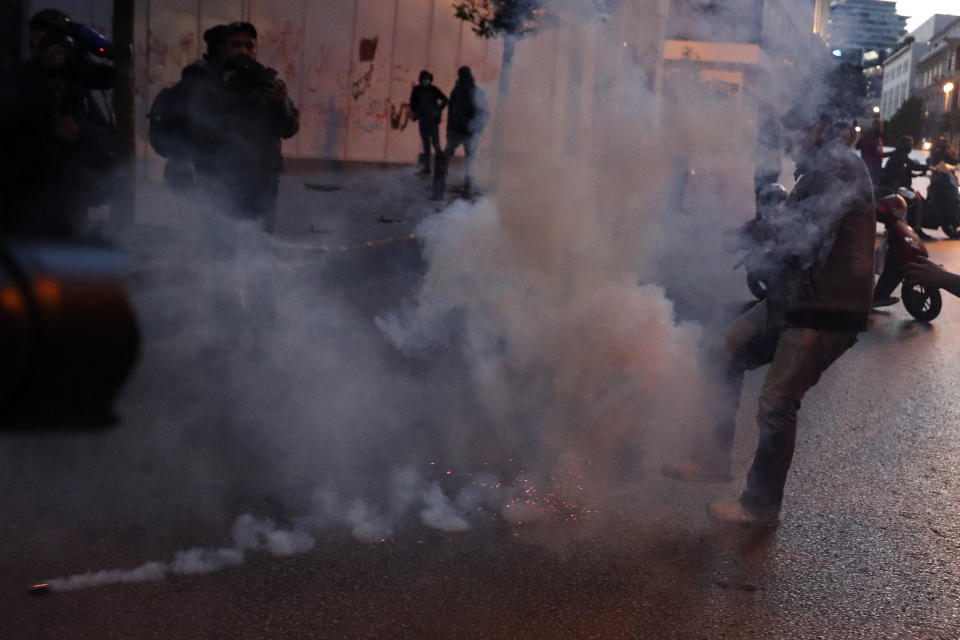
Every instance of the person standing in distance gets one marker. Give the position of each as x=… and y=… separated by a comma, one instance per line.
x=426, y=104
x=466, y=117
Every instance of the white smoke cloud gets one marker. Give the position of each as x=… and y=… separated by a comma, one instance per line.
x=553, y=307
x=148, y=572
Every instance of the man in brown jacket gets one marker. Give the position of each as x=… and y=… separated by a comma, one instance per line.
x=823, y=252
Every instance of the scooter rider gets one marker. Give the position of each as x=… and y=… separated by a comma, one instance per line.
x=898, y=172
x=943, y=200
x=899, y=168
x=942, y=152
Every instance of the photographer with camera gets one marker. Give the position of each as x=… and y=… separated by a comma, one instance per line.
x=235, y=122
x=168, y=119
x=58, y=139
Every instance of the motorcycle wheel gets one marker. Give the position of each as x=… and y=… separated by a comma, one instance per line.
x=757, y=286
x=922, y=303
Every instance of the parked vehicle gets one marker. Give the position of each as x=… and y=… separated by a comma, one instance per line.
x=901, y=245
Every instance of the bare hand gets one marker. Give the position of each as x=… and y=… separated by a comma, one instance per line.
x=278, y=92
x=65, y=128
x=53, y=56
x=926, y=272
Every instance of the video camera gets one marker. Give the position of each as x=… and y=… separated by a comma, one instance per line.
x=71, y=35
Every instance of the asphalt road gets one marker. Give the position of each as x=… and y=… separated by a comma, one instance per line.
x=869, y=545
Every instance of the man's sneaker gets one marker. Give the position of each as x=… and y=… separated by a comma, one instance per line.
x=736, y=514
x=690, y=471
x=885, y=302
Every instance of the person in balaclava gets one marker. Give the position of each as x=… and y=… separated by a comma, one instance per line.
x=58, y=141
x=426, y=104
x=823, y=246
x=467, y=115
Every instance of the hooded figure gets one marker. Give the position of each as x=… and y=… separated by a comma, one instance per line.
x=426, y=104
x=467, y=115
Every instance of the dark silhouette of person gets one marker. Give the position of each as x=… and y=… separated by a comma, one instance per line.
x=898, y=172
x=58, y=142
x=235, y=119
x=823, y=246
x=467, y=115
x=426, y=106
x=169, y=114
x=870, y=146
x=941, y=151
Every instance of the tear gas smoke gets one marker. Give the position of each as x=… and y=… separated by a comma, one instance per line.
x=544, y=328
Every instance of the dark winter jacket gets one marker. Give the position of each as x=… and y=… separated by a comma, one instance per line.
x=468, y=111
x=232, y=128
x=32, y=99
x=827, y=233
x=427, y=103
x=897, y=170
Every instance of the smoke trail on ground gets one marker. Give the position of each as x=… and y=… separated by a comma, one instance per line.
x=549, y=355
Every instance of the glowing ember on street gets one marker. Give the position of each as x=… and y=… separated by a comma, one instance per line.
x=526, y=501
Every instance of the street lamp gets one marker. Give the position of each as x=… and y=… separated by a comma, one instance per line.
x=947, y=88
x=876, y=109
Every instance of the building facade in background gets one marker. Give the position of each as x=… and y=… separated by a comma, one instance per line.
x=900, y=67
x=937, y=82
x=868, y=30
x=350, y=64
x=868, y=25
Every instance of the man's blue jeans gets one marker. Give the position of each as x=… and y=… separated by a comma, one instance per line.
x=797, y=358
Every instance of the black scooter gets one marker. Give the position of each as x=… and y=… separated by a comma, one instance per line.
x=941, y=208
x=901, y=245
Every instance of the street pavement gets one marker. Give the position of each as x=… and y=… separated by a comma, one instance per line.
x=868, y=547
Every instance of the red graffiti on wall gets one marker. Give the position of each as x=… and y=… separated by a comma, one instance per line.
x=285, y=45
x=317, y=70
x=361, y=85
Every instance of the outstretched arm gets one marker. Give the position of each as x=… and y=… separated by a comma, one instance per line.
x=930, y=274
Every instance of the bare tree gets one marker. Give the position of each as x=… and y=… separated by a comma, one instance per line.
x=511, y=19
x=517, y=19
